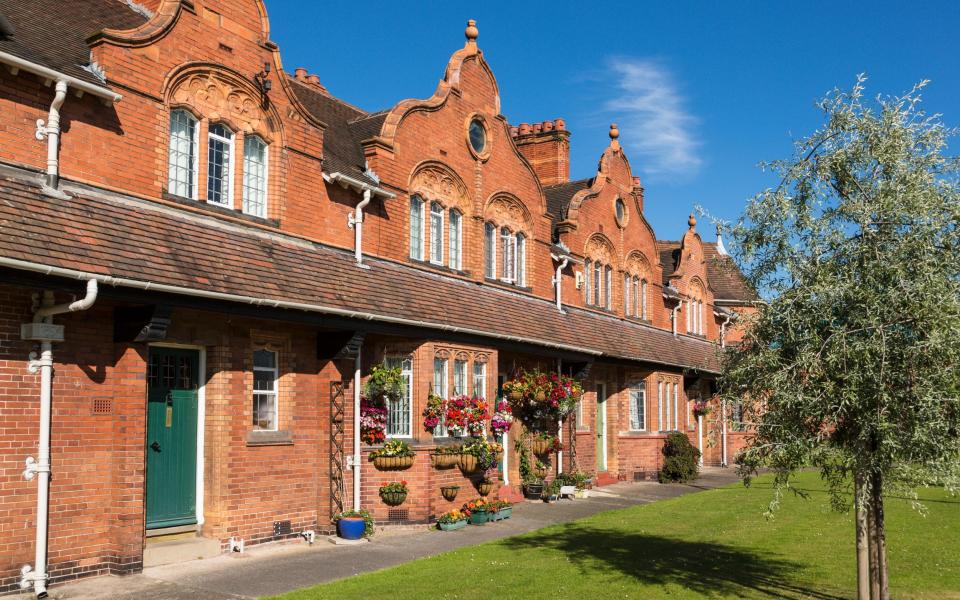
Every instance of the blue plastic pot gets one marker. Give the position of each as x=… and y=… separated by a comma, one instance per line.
x=351, y=528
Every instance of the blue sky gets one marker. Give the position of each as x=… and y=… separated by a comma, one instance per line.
x=701, y=91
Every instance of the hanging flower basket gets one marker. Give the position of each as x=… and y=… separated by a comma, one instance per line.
x=393, y=463
x=515, y=396
x=468, y=463
x=393, y=498
x=484, y=488
x=449, y=492
x=444, y=461
x=541, y=445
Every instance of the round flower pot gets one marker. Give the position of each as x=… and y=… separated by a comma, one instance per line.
x=452, y=526
x=533, y=491
x=393, y=463
x=541, y=446
x=393, y=498
x=351, y=528
x=484, y=488
x=478, y=517
x=450, y=492
x=468, y=463
x=444, y=461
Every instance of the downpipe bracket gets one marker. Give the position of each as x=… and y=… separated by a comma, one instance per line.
x=33, y=467
x=28, y=577
x=42, y=130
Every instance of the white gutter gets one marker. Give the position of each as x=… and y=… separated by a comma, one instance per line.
x=355, y=222
x=51, y=131
x=328, y=310
x=16, y=63
x=37, y=575
x=557, y=282
x=346, y=181
x=357, y=463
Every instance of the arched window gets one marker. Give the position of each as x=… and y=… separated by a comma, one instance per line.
x=182, y=167
x=416, y=228
x=456, y=235
x=643, y=299
x=436, y=233
x=598, y=280
x=508, y=253
x=521, y=260
x=490, y=250
x=254, y=176
x=220, y=165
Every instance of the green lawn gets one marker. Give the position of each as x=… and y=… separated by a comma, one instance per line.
x=710, y=544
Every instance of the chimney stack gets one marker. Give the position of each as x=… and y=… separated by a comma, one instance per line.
x=546, y=146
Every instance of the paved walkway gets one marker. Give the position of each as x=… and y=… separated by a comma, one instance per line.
x=275, y=569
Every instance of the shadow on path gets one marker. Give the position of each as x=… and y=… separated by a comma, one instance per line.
x=707, y=568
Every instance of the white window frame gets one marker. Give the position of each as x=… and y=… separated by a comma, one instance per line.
x=660, y=406
x=248, y=141
x=643, y=299
x=627, y=285
x=441, y=388
x=406, y=368
x=480, y=380
x=676, y=407
x=193, y=156
x=229, y=165
x=520, y=251
x=456, y=240
x=436, y=233
x=459, y=377
x=587, y=275
x=490, y=250
x=275, y=392
x=636, y=408
x=417, y=221
x=508, y=251
x=608, y=287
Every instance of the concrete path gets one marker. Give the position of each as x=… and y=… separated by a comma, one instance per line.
x=275, y=569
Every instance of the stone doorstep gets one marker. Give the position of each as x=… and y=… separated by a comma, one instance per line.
x=179, y=550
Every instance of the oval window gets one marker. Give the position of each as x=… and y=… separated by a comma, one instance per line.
x=621, y=209
x=478, y=136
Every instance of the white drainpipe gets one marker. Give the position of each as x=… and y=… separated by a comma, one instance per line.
x=723, y=431
x=700, y=437
x=557, y=280
x=723, y=331
x=355, y=221
x=51, y=131
x=37, y=575
x=357, y=463
x=560, y=422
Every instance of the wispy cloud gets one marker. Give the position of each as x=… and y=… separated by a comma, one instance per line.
x=655, y=126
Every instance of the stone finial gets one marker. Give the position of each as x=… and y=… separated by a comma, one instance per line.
x=471, y=31
x=692, y=222
x=614, y=131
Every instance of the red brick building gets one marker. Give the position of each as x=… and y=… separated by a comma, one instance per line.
x=258, y=245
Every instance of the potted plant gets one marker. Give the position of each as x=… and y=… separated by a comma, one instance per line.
x=543, y=443
x=533, y=488
x=500, y=510
x=478, y=455
x=553, y=491
x=515, y=389
x=354, y=524
x=434, y=412
x=373, y=421
x=502, y=419
x=541, y=468
x=454, y=519
x=701, y=408
x=477, y=511
x=394, y=493
x=395, y=454
x=445, y=457
x=477, y=414
x=456, y=415
x=449, y=492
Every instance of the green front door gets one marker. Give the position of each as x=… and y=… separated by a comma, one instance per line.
x=601, y=427
x=172, y=437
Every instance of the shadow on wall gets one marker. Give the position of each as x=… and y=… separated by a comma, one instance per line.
x=714, y=570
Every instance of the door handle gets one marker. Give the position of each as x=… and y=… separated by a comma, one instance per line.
x=155, y=446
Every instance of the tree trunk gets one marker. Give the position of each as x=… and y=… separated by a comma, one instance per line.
x=863, y=551
x=880, y=535
x=874, y=557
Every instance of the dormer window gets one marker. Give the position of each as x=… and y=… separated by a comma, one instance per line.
x=220, y=165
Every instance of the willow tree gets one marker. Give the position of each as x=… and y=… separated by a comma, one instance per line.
x=853, y=364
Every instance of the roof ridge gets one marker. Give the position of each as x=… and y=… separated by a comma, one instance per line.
x=571, y=182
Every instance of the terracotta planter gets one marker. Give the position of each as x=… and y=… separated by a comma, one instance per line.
x=541, y=446
x=393, y=463
x=484, y=488
x=468, y=463
x=444, y=461
x=450, y=492
x=393, y=498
